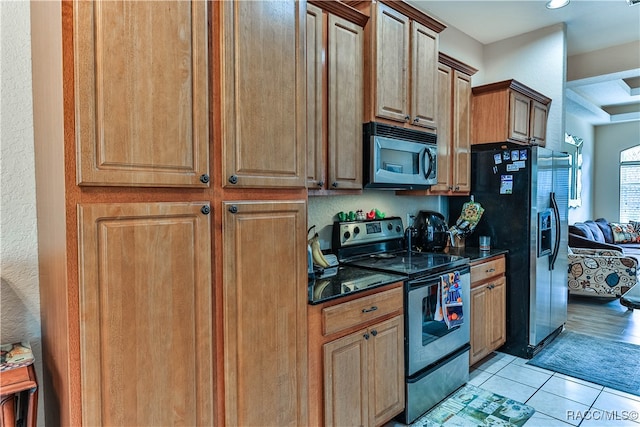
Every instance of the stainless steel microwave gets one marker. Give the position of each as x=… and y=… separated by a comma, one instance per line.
x=399, y=158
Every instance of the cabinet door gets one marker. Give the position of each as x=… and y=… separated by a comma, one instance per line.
x=141, y=94
x=424, y=59
x=265, y=312
x=461, y=132
x=391, y=64
x=479, y=347
x=538, y=123
x=386, y=367
x=519, y=116
x=346, y=381
x=263, y=93
x=345, y=62
x=444, y=185
x=496, y=314
x=315, y=90
x=145, y=309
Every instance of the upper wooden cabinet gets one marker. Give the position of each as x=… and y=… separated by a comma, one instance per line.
x=454, y=127
x=144, y=295
x=400, y=65
x=335, y=43
x=263, y=100
x=141, y=93
x=509, y=111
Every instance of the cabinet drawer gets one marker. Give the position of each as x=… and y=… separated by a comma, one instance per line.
x=346, y=315
x=485, y=270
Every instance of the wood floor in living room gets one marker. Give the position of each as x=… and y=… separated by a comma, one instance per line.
x=603, y=318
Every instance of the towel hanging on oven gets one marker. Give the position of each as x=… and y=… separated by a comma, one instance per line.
x=450, y=300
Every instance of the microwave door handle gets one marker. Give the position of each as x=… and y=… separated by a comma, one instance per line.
x=428, y=160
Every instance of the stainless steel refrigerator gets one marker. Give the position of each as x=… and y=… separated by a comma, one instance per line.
x=524, y=191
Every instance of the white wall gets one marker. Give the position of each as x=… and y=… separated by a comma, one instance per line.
x=576, y=126
x=610, y=141
x=20, y=306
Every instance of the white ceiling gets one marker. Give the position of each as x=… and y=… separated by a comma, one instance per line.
x=591, y=25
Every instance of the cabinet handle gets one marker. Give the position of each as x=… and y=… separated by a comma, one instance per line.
x=206, y=210
x=369, y=310
x=491, y=270
x=334, y=185
x=416, y=120
x=457, y=187
x=491, y=286
x=204, y=178
x=366, y=336
x=233, y=209
x=320, y=183
x=407, y=118
x=374, y=332
x=233, y=179
x=451, y=187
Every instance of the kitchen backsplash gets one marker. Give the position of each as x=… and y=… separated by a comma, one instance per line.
x=323, y=209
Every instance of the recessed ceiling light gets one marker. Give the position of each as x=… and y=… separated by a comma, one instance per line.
x=557, y=4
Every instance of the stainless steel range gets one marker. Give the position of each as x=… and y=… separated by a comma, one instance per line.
x=436, y=353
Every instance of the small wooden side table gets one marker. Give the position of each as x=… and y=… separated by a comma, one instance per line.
x=13, y=383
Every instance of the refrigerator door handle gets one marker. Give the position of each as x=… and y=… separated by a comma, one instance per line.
x=556, y=244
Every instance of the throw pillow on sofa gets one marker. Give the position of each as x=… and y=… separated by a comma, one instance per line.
x=624, y=233
x=606, y=229
x=598, y=236
x=581, y=229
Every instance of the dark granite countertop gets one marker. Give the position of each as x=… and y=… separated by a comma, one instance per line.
x=475, y=254
x=347, y=281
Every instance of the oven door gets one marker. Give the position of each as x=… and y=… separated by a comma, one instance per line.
x=429, y=340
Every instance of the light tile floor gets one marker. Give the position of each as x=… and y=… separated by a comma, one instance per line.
x=559, y=400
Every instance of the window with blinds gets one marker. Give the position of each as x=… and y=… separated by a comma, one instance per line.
x=630, y=184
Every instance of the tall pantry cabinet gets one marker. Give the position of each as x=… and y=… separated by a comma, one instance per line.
x=149, y=313
x=261, y=283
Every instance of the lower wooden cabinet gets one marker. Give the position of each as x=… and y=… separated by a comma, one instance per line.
x=361, y=375
x=488, y=307
x=265, y=313
x=145, y=314
x=357, y=365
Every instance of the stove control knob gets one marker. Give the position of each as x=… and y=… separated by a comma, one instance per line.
x=390, y=226
x=346, y=235
x=398, y=229
x=356, y=230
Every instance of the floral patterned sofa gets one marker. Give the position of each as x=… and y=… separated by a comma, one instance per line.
x=602, y=234
x=601, y=272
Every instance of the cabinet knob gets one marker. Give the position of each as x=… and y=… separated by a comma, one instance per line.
x=407, y=118
x=204, y=178
x=374, y=332
x=457, y=187
x=233, y=179
x=206, y=210
x=334, y=185
x=416, y=120
x=320, y=183
x=451, y=187
x=366, y=336
x=233, y=209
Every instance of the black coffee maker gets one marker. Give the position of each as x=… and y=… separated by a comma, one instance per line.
x=432, y=231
